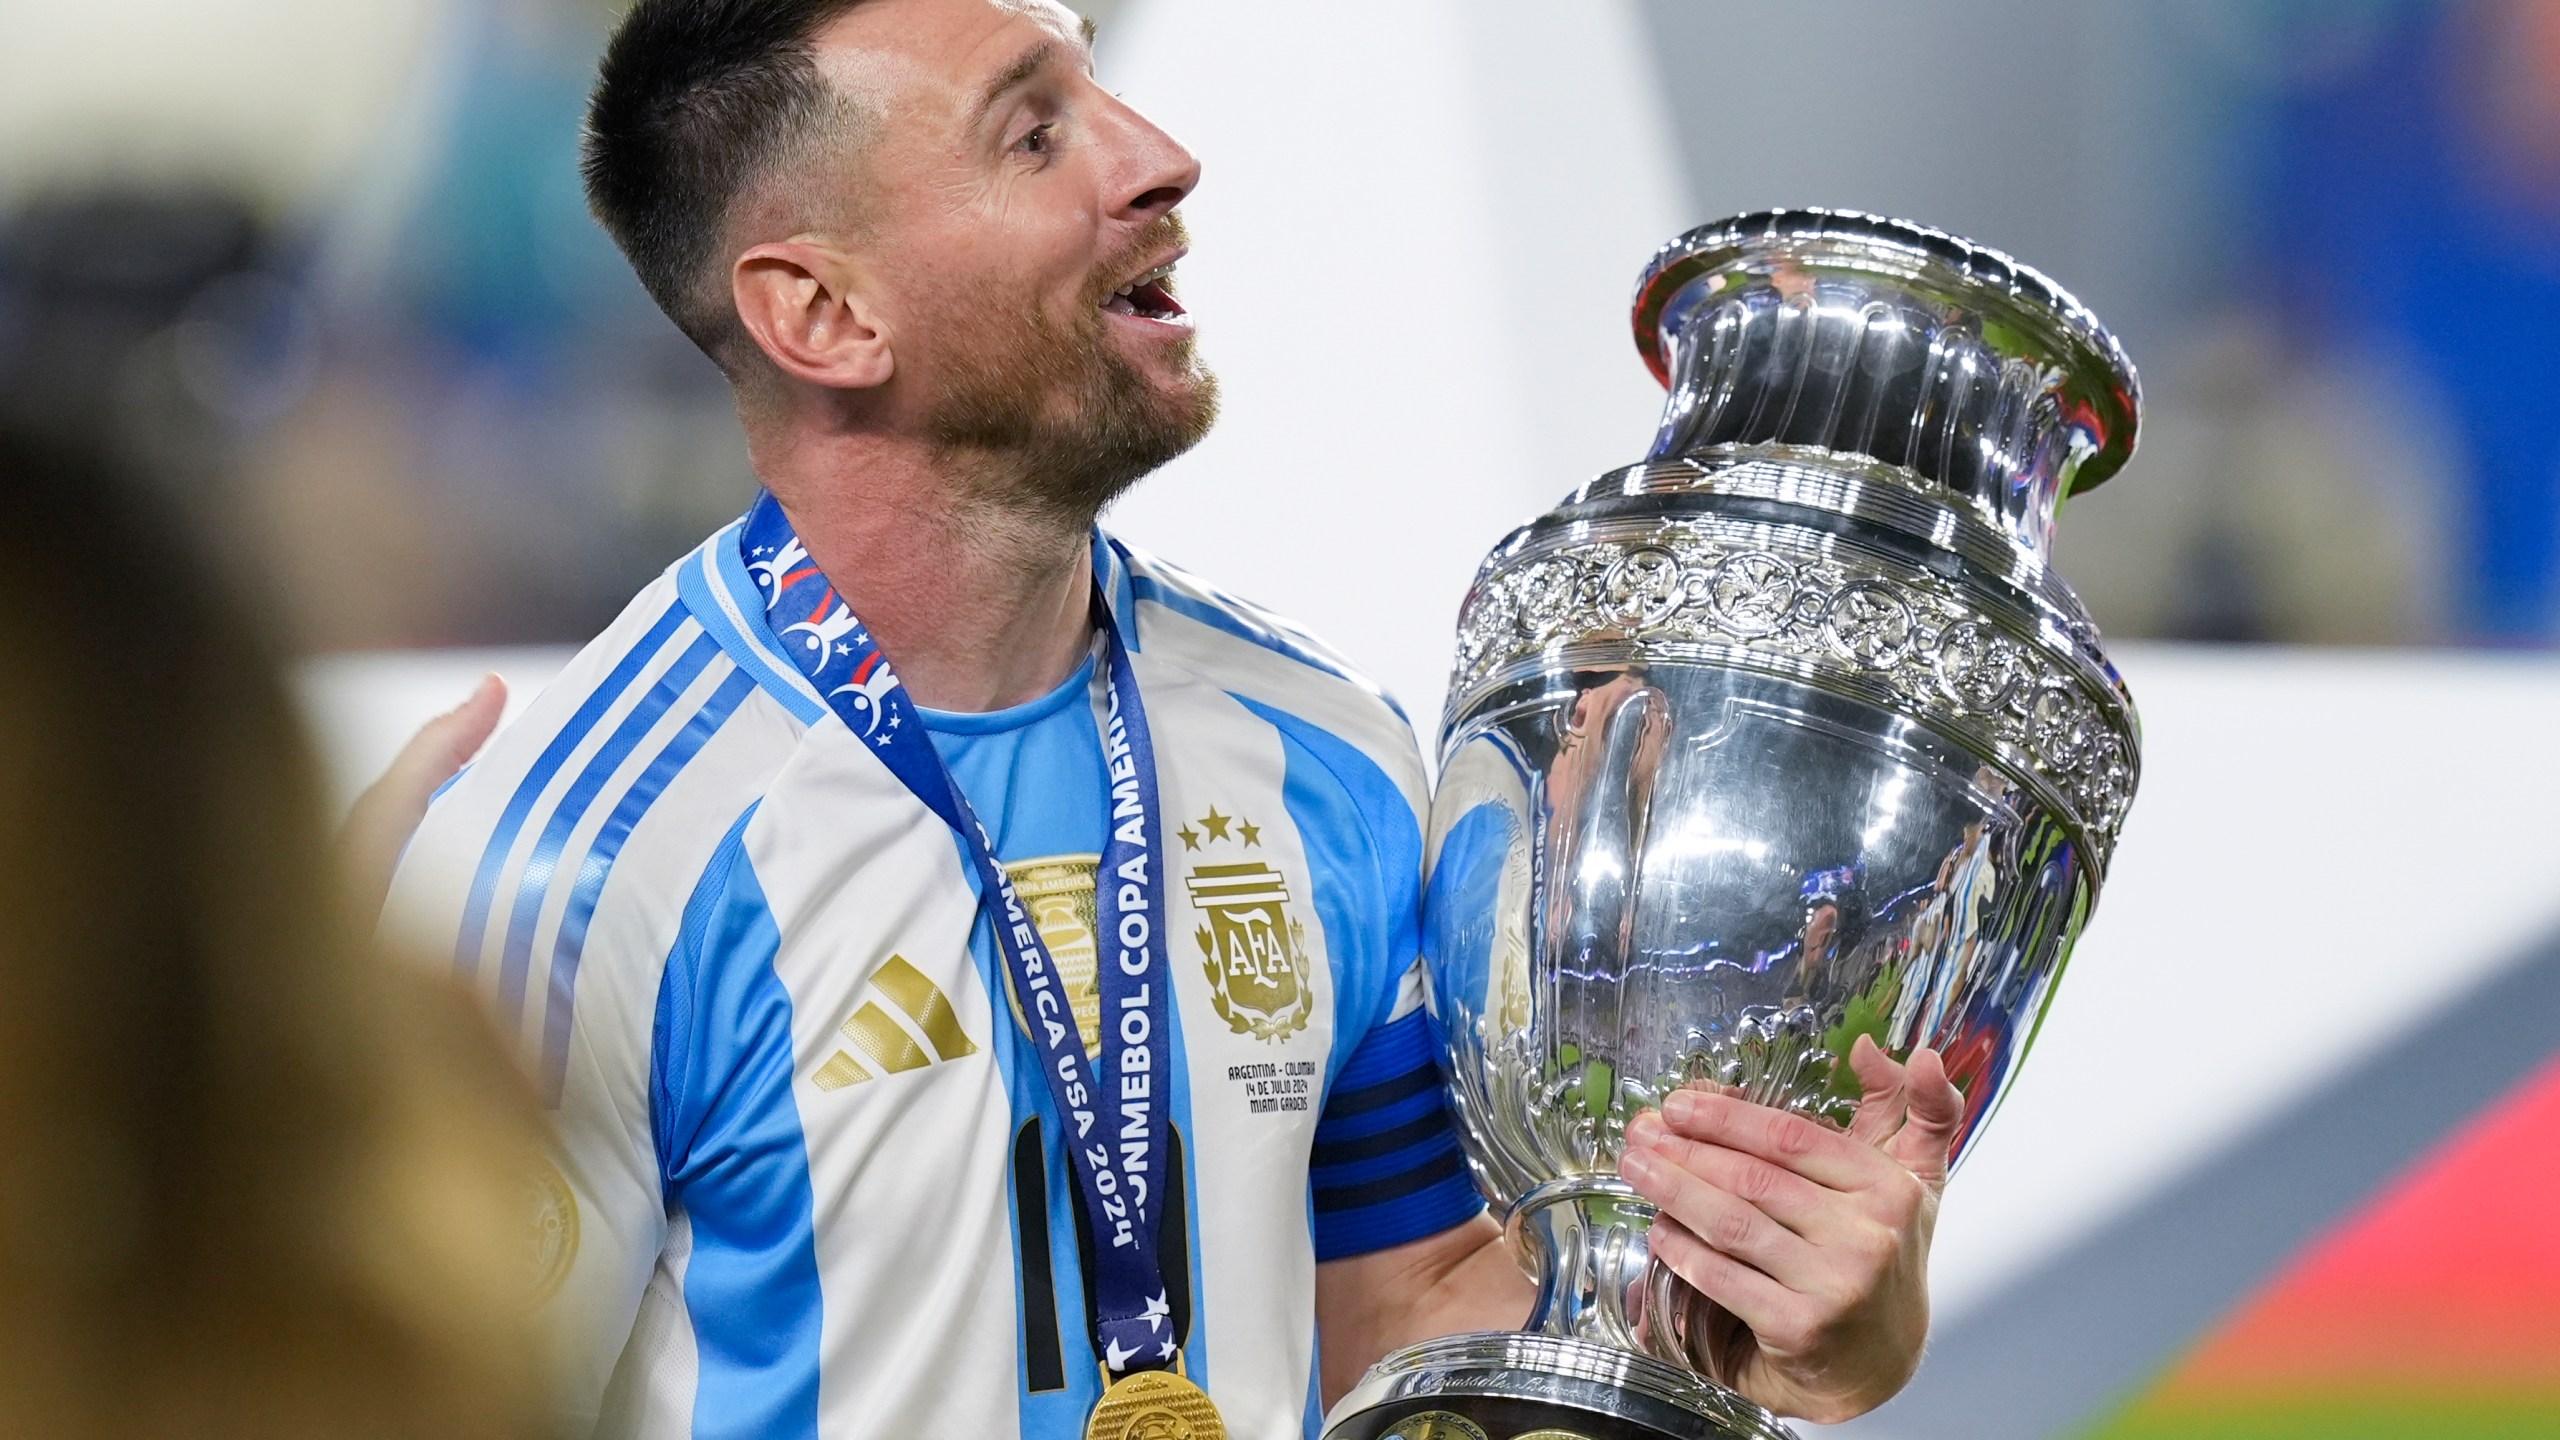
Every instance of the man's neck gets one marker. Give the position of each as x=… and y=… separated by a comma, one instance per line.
x=979, y=605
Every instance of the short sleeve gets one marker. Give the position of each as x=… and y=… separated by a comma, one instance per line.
x=1386, y=1168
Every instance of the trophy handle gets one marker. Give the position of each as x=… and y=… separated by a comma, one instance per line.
x=1677, y=1321
x=1584, y=1241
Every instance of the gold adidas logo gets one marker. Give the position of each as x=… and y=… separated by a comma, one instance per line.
x=890, y=1045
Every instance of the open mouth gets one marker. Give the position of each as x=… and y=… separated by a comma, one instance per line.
x=1149, y=297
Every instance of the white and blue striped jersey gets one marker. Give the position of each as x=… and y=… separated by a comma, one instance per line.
x=808, y=1182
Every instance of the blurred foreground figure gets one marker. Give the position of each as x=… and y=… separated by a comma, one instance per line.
x=257, y=1184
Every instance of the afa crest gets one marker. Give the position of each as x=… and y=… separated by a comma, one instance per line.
x=553, y=1240
x=1253, y=948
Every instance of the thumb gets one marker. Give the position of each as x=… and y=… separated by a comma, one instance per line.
x=1886, y=1097
x=1937, y=1111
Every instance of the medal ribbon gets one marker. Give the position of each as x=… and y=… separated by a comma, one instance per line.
x=1115, y=1122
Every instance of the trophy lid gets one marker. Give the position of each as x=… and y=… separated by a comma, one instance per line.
x=1866, y=336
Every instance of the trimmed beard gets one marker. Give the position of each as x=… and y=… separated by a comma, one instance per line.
x=1059, y=423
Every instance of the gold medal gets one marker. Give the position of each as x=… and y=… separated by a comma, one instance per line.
x=1155, y=1405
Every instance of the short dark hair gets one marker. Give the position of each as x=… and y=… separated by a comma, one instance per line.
x=695, y=100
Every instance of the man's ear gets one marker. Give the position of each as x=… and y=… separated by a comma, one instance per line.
x=802, y=303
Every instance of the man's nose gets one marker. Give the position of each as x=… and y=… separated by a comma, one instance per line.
x=1155, y=172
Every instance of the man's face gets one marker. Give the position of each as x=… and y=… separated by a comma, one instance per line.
x=1020, y=226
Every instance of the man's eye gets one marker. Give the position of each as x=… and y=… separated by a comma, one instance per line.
x=1038, y=142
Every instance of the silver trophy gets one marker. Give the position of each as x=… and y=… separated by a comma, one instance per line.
x=1787, y=735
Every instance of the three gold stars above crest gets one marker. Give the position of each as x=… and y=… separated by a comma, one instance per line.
x=1214, y=826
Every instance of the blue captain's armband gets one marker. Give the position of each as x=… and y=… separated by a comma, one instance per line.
x=1387, y=1169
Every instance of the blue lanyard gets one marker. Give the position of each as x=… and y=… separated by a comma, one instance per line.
x=1116, y=1122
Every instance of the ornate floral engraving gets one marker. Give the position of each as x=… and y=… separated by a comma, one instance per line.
x=2107, y=789
x=1752, y=591
x=1644, y=586
x=1978, y=668
x=1919, y=633
x=2057, y=725
x=1545, y=577
x=1870, y=624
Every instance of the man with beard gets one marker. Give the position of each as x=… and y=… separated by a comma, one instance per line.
x=915, y=880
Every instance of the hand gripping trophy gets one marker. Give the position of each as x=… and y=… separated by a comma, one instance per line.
x=1785, y=736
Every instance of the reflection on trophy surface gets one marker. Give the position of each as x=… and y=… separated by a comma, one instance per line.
x=1784, y=736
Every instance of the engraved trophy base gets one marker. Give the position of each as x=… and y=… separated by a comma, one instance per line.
x=1501, y=1385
